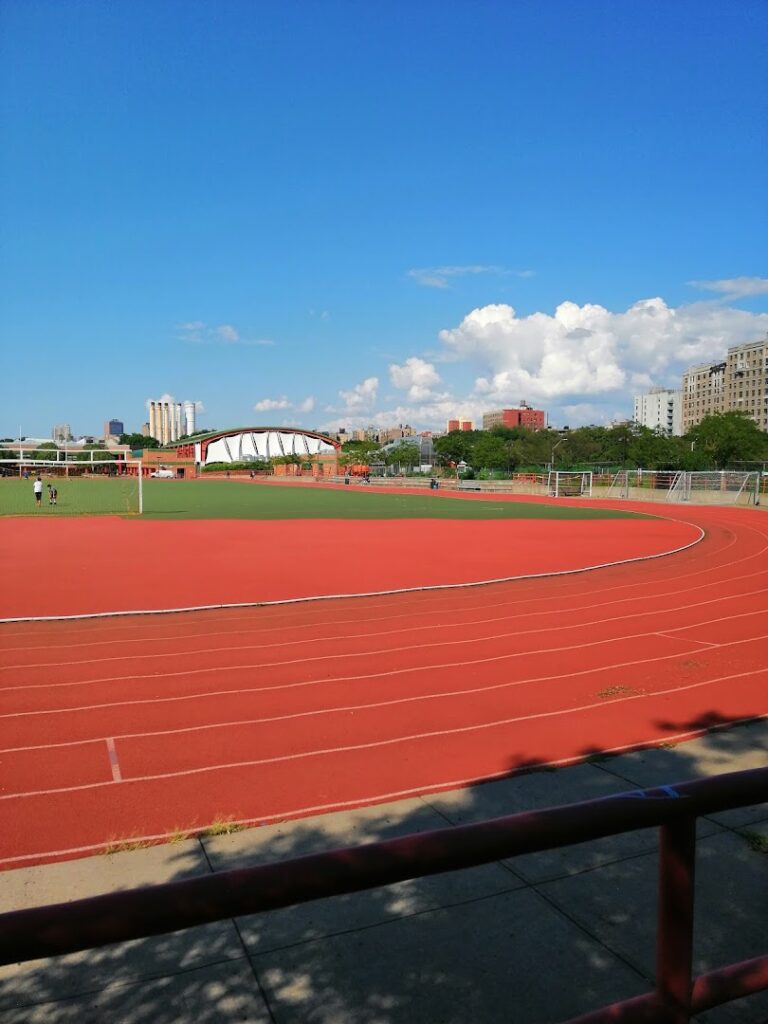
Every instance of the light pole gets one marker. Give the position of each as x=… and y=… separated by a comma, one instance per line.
x=554, y=449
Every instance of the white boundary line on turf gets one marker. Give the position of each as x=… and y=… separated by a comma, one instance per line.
x=370, y=593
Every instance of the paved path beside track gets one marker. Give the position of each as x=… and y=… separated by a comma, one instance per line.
x=537, y=939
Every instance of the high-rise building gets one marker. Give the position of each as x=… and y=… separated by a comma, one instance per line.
x=114, y=428
x=522, y=416
x=458, y=425
x=739, y=383
x=746, y=380
x=662, y=410
x=703, y=393
x=62, y=432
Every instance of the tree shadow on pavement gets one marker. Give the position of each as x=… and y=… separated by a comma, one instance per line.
x=536, y=939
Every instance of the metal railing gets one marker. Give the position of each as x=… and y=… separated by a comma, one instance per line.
x=122, y=916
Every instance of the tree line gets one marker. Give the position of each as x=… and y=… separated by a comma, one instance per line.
x=718, y=442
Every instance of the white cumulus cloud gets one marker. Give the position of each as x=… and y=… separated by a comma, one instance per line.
x=361, y=395
x=268, y=404
x=415, y=376
x=582, y=351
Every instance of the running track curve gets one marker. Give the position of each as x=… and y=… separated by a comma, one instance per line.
x=138, y=727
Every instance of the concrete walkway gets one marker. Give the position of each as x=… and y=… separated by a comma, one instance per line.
x=537, y=939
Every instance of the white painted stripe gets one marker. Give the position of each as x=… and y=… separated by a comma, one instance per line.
x=114, y=763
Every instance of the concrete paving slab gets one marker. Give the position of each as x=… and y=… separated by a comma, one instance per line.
x=617, y=903
x=217, y=994
x=343, y=913
x=39, y=980
x=505, y=958
x=724, y=750
x=548, y=789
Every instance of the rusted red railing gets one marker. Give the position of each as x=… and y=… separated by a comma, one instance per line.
x=120, y=916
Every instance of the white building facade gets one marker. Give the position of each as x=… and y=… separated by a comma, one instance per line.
x=661, y=410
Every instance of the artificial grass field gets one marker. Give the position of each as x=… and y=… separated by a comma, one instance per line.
x=232, y=499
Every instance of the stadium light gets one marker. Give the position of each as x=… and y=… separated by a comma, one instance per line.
x=554, y=449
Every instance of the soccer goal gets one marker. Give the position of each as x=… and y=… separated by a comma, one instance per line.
x=569, y=484
x=82, y=488
x=724, y=487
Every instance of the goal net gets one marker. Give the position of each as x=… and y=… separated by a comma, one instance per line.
x=724, y=487
x=569, y=484
x=84, y=488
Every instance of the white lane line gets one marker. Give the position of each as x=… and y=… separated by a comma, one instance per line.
x=322, y=680
x=194, y=653
x=251, y=666
x=392, y=741
x=114, y=763
x=346, y=709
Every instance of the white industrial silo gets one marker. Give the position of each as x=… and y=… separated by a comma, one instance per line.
x=189, y=417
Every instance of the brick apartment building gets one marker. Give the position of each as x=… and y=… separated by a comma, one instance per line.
x=522, y=416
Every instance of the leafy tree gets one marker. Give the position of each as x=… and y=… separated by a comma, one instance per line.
x=46, y=450
x=99, y=454
x=456, y=446
x=490, y=452
x=730, y=437
x=139, y=441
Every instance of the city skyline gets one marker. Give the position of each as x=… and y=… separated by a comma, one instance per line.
x=342, y=216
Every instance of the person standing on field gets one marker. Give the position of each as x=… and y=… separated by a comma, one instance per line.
x=38, y=487
x=52, y=494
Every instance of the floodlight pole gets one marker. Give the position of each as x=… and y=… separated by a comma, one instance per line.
x=554, y=449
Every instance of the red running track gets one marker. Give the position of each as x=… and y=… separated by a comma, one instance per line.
x=139, y=727
x=86, y=566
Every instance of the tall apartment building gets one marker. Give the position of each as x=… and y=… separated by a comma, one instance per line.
x=746, y=380
x=522, y=416
x=458, y=425
x=661, y=409
x=741, y=382
x=703, y=393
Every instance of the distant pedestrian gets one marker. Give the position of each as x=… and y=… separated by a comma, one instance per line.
x=52, y=494
x=38, y=488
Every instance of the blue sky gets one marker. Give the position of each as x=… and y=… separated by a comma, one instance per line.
x=336, y=213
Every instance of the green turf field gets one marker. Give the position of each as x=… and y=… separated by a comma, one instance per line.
x=232, y=499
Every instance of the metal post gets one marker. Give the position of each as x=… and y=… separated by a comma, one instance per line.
x=141, y=489
x=674, y=941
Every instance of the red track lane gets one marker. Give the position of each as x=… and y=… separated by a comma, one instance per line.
x=83, y=562
x=138, y=727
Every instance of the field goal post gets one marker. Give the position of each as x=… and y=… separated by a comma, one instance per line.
x=18, y=476
x=718, y=487
x=569, y=484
